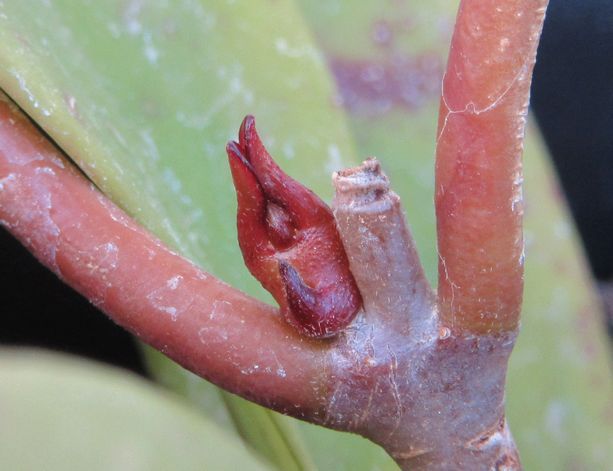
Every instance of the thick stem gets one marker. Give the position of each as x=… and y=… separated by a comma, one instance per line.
x=200, y=322
x=382, y=254
x=398, y=376
x=492, y=450
x=478, y=168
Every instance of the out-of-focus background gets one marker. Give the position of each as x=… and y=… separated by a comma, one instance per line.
x=572, y=99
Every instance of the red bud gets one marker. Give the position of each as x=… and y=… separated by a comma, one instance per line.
x=289, y=241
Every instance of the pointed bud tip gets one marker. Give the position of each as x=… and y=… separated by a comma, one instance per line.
x=236, y=153
x=232, y=148
x=247, y=129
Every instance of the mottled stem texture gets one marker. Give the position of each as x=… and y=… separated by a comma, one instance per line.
x=419, y=372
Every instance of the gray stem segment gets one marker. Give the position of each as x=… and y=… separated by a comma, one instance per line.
x=381, y=250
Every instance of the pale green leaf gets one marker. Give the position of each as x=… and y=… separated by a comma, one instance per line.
x=61, y=414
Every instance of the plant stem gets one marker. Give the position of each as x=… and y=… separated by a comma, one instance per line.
x=381, y=250
x=479, y=205
x=200, y=322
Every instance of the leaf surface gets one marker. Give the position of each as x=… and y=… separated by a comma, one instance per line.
x=65, y=413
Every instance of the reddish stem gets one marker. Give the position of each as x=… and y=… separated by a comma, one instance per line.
x=205, y=325
x=478, y=168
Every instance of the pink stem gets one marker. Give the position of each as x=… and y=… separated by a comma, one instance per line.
x=479, y=204
x=200, y=322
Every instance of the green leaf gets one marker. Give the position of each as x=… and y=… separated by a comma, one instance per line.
x=61, y=413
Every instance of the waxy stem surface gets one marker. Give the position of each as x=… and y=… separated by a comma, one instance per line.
x=479, y=205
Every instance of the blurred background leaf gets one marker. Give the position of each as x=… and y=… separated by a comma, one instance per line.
x=59, y=412
x=144, y=95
